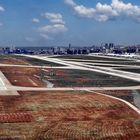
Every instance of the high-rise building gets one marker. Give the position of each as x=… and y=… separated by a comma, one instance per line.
x=69, y=45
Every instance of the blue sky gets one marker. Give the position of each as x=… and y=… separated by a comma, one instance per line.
x=60, y=22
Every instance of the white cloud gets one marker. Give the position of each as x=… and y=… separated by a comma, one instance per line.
x=56, y=26
x=84, y=12
x=53, y=29
x=104, y=12
x=36, y=20
x=45, y=36
x=54, y=17
x=2, y=9
x=46, y=31
x=30, y=39
x=70, y=2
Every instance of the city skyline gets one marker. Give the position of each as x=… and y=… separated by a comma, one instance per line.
x=59, y=22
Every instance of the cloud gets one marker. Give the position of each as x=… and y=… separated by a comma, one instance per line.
x=53, y=29
x=56, y=26
x=103, y=12
x=2, y=9
x=48, y=30
x=54, y=17
x=35, y=20
x=70, y=2
x=30, y=39
x=45, y=36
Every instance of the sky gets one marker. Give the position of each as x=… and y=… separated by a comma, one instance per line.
x=60, y=22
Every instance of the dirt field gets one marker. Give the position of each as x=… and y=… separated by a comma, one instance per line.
x=31, y=77
x=27, y=77
x=20, y=60
x=66, y=116
x=123, y=94
x=7, y=59
x=80, y=78
x=34, y=61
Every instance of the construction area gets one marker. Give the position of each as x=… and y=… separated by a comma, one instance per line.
x=69, y=98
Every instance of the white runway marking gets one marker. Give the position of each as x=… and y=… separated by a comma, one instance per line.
x=2, y=85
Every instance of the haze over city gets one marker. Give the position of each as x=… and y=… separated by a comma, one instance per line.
x=59, y=22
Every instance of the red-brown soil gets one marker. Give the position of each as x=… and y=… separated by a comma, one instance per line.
x=69, y=115
x=27, y=77
x=13, y=61
x=123, y=94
